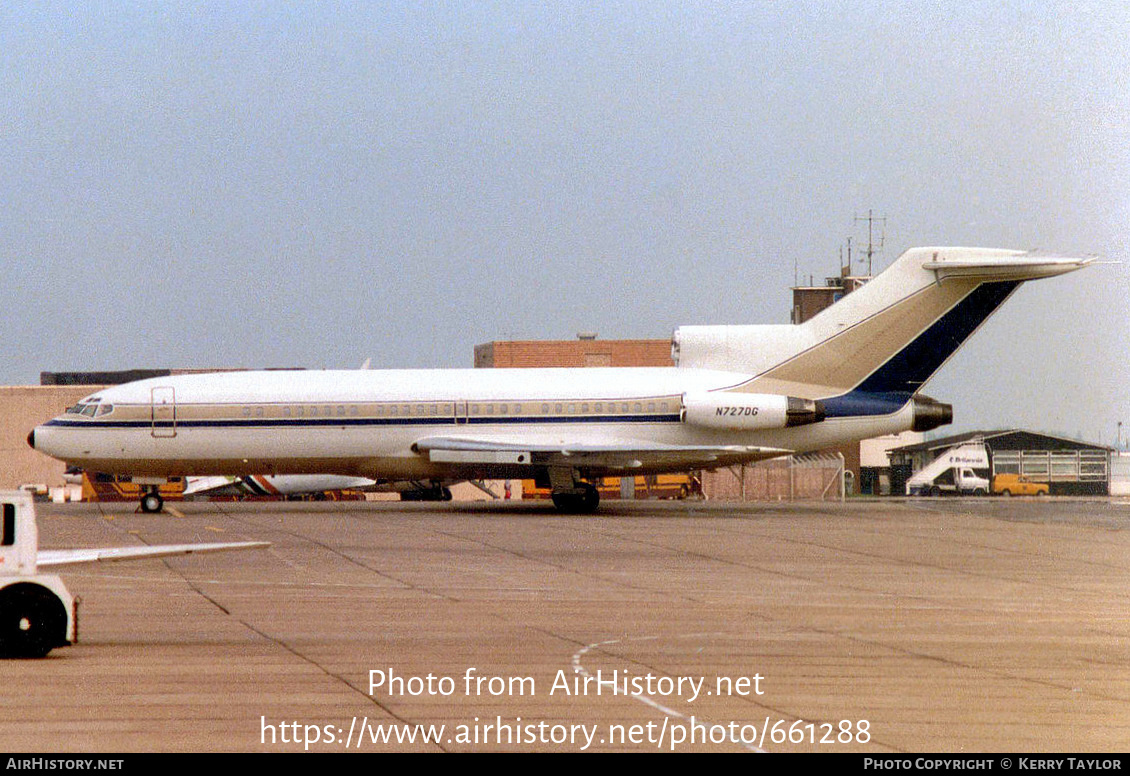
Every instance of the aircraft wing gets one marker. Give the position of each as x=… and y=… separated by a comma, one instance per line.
x=48, y=558
x=622, y=454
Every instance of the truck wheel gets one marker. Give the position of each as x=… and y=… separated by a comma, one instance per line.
x=33, y=621
x=935, y=491
x=1006, y=492
x=152, y=502
x=978, y=491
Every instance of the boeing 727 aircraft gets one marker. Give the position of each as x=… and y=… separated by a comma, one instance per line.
x=737, y=394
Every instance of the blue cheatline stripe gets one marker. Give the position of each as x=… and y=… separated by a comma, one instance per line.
x=890, y=386
x=335, y=422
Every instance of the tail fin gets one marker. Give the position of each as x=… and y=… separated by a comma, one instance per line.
x=887, y=338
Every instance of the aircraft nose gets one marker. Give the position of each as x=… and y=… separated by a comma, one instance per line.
x=31, y=439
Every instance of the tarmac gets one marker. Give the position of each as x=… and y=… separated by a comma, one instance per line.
x=942, y=625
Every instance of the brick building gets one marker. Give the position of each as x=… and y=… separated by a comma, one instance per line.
x=584, y=351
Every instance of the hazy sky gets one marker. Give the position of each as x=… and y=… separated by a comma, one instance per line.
x=313, y=184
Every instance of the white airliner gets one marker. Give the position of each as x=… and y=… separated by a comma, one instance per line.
x=737, y=394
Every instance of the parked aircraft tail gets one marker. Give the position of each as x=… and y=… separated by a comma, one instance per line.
x=872, y=351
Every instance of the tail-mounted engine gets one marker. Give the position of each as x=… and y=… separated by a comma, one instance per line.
x=749, y=411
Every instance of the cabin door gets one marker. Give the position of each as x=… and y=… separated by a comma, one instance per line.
x=460, y=412
x=163, y=412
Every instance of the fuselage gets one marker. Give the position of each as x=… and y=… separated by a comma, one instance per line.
x=368, y=422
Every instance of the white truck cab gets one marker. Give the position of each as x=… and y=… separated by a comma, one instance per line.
x=37, y=613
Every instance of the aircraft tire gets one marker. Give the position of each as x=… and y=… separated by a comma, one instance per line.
x=590, y=499
x=33, y=621
x=152, y=502
x=578, y=503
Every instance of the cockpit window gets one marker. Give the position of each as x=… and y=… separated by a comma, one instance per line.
x=90, y=408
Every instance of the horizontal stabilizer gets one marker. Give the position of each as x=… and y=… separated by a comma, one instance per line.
x=1014, y=265
x=47, y=558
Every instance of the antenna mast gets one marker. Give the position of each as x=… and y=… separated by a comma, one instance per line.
x=871, y=219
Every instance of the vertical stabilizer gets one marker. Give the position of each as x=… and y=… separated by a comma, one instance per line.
x=887, y=338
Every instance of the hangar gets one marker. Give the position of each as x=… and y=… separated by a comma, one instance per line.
x=1069, y=466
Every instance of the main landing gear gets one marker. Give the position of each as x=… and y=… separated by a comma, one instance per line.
x=583, y=498
x=571, y=494
x=437, y=491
